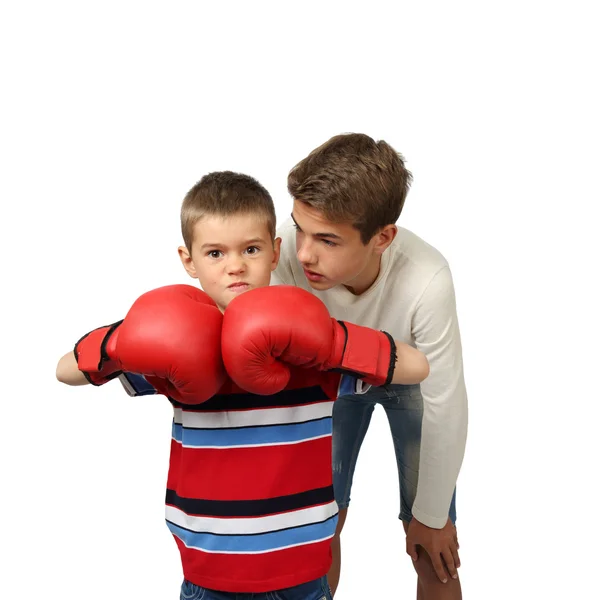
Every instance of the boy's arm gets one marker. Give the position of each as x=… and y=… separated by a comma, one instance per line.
x=412, y=365
x=444, y=430
x=68, y=372
x=166, y=335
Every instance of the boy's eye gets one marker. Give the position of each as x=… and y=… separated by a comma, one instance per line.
x=215, y=253
x=253, y=250
x=328, y=243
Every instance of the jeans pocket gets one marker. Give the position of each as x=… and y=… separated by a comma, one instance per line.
x=191, y=591
x=327, y=595
x=312, y=590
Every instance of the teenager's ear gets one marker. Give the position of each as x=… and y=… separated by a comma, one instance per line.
x=276, y=253
x=187, y=262
x=384, y=237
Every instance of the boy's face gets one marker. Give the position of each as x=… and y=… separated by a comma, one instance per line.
x=231, y=255
x=333, y=253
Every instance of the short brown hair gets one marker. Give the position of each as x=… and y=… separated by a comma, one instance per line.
x=225, y=193
x=353, y=179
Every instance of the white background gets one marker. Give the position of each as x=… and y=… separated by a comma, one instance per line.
x=111, y=111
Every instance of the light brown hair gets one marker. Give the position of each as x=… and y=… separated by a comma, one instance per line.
x=353, y=179
x=225, y=193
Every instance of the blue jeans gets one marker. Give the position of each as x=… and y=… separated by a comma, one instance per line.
x=403, y=405
x=313, y=590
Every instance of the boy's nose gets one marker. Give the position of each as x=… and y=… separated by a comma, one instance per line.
x=236, y=266
x=305, y=253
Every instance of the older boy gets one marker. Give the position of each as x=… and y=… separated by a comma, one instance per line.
x=249, y=491
x=343, y=245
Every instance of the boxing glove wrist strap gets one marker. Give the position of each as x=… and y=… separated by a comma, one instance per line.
x=364, y=352
x=92, y=356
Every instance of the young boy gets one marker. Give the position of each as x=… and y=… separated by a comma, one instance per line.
x=343, y=245
x=249, y=491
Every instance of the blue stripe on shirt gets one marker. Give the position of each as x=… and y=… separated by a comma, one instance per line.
x=251, y=436
x=264, y=542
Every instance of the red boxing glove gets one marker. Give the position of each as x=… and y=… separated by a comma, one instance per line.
x=265, y=328
x=171, y=335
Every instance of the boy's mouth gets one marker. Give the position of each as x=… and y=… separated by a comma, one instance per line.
x=312, y=276
x=238, y=286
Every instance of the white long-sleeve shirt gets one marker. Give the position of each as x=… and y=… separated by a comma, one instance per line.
x=413, y=300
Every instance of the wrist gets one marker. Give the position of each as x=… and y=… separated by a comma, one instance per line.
x=426, y=520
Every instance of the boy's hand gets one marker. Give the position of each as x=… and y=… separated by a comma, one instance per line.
x=171, y=335
x=440, y=544
x=267, y=329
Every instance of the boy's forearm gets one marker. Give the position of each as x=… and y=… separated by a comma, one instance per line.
x=411, y=367
x=67, y=371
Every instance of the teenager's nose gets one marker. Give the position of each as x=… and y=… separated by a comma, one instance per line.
x=305, y=251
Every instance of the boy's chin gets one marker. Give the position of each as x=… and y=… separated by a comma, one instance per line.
x=324, y=284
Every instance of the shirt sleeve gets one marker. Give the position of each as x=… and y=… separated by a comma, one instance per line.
x=444, y=429
x=136, y=385
x=350, y=385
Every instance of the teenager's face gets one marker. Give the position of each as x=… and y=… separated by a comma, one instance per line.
x=333, y=253
x=231, y=255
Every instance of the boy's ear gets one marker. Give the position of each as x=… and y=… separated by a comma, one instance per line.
x=384, y=237
x=276, y=253
x=187, y=262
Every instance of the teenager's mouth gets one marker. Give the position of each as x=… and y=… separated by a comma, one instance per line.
x=312, y=276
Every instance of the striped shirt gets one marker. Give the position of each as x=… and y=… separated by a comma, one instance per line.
x=249, y=491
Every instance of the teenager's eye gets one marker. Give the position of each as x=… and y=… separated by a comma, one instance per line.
x=215, y=254
x=253, y=250
x=328, y=243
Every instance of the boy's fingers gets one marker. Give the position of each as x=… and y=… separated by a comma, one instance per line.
x=450, y=564
x=456, y=557
x=438, y=567
x=411, y=550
